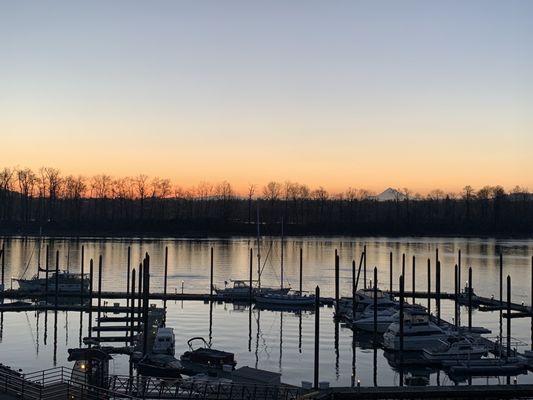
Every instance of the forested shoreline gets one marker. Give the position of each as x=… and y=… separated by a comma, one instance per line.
x=101, y=205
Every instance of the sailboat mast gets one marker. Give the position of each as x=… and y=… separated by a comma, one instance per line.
x=282, y=253
x=258, y=251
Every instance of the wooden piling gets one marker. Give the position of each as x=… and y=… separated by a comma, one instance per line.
x=46, y=265
x=146, y=298
x=501, y=279
x=364, y=266
x=336, y=283
x=375, y=306
x=57, y=280
x=251, y=289
x=165, y=280
x=140, y=287
x=317, y=337
x=98, y=313
x=3, y=264
x=354, y=290
x=128, y=268
x=91, y=282
x=82, y=280
x=301, y=270
x=390, y=272
x=429, y=287
x=403, y=265
x=437, y=290
x=211, y=275
x=401, y=316
x=455, y=295
x=414, y=279
x=132, y=306
x=508, y=315
x=469, y=299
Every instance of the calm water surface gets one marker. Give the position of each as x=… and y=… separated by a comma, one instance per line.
x=277, y=341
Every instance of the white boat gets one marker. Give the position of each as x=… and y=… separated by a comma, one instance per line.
x=463, y=349
x=295, y=299
x=68, y=283
x=164, y=342
x=384, y=319
x=487, y=366
x=419, y=333
x=241, y=290
x=364, y=298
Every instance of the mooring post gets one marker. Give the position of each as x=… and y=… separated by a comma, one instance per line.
x=132, y=306
x=57, y=279
x=46, y=265
x=140, y=291
x=165, y=280
x=437, y=290
x=455, y=295
x=91, y=283
x=401, y=327
x=429, y=286
x=470, y=299
x=3, y=263
x=317, y=336
x=354, y=289
x=375, y=307
x=413, y=278
x=98, y=313
x=211, y=276
x=82, y=271
x=251, y=289
x=364, y=266
x=301, y=270
x=501, y=279
x=459, y=271
x=336, y=283
x=390, y=272
x=508, y=316
x=403, y=265
x=146, y=298
x=128, y=268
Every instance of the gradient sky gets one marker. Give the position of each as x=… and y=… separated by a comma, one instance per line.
x=418, y=94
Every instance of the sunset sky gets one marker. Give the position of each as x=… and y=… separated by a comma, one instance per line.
x=418, y=94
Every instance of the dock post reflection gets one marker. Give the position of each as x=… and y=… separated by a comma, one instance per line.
x=317, y=337
x=55, y=339
x=165, y=282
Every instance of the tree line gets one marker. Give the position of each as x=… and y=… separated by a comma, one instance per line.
x=101, y=204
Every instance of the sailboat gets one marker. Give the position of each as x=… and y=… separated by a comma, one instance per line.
x=67, y=281
x=283, y=297
x=241, y=287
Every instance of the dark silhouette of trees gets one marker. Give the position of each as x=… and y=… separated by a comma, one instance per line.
x=102, y=204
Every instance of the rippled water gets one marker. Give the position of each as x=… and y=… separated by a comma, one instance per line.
x=276, y=341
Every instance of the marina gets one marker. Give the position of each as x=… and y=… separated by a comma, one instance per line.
x=108, y=322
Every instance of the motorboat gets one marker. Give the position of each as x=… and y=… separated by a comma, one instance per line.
x=487, y=366
x=383, y=320
x=160, y=366
x=164, y=341
x=363, y=299
x=206, y=356
x=419, y=333
x=295, y=299
x=462, y=349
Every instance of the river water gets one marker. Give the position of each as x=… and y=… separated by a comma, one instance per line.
x=277, y=341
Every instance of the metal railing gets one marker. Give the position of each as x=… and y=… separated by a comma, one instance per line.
x=56, y=384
